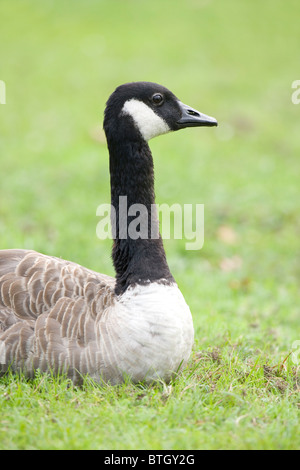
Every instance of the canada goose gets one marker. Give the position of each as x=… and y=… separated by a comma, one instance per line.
x=59, y=316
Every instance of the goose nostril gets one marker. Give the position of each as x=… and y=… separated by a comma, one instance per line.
x=191, y=112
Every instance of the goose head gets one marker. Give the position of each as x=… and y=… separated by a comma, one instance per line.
x=146, y=109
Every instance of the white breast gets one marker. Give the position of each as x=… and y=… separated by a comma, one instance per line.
x=152, y=334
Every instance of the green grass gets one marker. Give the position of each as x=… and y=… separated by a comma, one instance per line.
x=221, y=401
x=235, y=61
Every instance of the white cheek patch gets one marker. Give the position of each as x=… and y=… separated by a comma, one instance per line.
x=147, y=121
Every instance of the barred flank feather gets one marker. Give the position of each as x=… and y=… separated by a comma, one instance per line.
x=49, y=309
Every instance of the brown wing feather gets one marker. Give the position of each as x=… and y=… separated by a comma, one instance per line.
x=49, y=309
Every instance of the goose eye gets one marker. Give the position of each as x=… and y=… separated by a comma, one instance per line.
x=157, y=98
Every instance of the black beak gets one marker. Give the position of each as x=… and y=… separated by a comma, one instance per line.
x=192, y=118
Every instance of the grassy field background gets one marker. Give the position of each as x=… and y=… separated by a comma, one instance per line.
x=233, y=60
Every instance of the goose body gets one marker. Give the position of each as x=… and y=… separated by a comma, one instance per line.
x=58, y=316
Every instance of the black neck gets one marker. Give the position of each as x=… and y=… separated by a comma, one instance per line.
x=140, y=260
